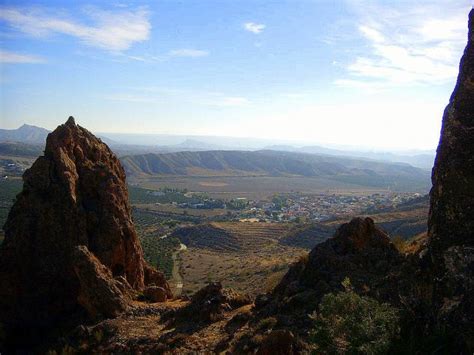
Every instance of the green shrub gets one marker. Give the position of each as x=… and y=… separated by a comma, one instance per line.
x=350, y=324
x=267, y=323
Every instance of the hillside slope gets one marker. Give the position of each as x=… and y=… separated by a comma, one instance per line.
x=274, y=163
x=25, y=134
x=18, y=149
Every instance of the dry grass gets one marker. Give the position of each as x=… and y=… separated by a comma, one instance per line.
x=255, y=267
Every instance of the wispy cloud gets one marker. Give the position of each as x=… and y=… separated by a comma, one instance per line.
x=418, y=46
x=11, y=57
x=187, y=52
x=154, y=95
x=254, y=27
x=111, y=30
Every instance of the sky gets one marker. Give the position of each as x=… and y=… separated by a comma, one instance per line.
x=350, y=73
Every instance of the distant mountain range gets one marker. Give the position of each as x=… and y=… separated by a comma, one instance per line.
x=25, y=134
x=136, y=144
x=274, y=163
x=420, y=159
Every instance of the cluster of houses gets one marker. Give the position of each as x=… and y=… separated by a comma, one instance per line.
x=10, y=168
x=320, y=207
x=290, y=206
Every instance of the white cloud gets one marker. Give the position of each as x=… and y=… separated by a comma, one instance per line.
x=11, y=57
x=187, y=52
x=414, y=46
x=372, y=34
x=254, y=27
x=155, y=95
x=112, y=30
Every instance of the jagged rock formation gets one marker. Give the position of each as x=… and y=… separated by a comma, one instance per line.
x=74, y=195
x=451, y=220
x=358, y=250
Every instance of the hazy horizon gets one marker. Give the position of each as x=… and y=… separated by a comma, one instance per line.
x=349, y=74
x=232, y=142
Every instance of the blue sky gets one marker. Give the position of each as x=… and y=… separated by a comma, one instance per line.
x=357, y=73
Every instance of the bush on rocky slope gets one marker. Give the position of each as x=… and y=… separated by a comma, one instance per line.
x=349, y=323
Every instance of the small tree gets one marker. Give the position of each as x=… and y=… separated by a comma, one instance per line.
x=350, y=324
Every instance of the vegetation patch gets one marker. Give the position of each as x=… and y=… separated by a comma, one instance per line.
x=153, y=232
x=347, y=323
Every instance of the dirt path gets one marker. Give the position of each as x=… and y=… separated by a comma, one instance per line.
x=176, y=278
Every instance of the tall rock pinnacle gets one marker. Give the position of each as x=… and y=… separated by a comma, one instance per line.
x=75, y=196
x=451, y=219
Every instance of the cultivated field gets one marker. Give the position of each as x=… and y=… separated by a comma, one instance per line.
x=254, y=187
x=171, y=209
x=243, y=255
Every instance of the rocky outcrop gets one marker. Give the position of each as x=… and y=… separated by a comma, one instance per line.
x=358, y=250
x=75, y=195
x=451, y=219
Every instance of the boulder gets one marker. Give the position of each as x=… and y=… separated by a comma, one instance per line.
x=210, y=303
x=99, y=293
x=155, y=294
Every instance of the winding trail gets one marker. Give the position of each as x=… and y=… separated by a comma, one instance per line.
x=177, y=279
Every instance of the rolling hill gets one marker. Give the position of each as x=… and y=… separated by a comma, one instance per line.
x=419, y=159
x=17, y=149
x=25, y=134
x=275, y=163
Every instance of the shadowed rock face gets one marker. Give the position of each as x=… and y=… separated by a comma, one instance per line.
x=99, y=292
x=451, y=220
x=74, y=195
